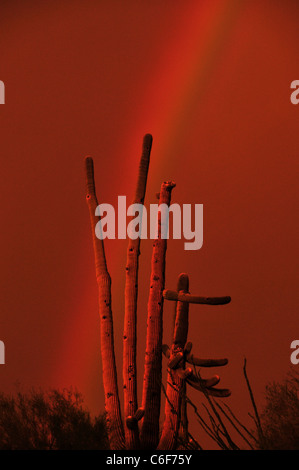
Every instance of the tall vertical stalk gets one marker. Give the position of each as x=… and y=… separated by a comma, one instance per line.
x=130, y=319
x=175, y=384
x=112, y=404
x=151, y=397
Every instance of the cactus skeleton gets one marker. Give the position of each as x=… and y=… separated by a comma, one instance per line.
x=130, y=317
x=112, y=404
x=131, y=435
x=175, y=382
x=151, y=397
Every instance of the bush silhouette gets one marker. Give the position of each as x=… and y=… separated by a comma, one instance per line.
x=280, y=416
x=46, y=420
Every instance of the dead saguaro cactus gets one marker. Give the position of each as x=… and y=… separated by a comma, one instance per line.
x=130, y=317
x=140, y=426
x=112, y=404
x=178, y=374
x=151, y=398
x=176, y=380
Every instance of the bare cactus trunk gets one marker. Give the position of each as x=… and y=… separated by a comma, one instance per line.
x=130, y=319
x=151, y=398
x=175, y=384
x=112, y=404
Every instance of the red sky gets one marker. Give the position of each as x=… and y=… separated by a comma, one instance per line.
x=211, y=81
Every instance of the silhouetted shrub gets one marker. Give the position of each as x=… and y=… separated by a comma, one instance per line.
x=280, y=416
x=48, y=420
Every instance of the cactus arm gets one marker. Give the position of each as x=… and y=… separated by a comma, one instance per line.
x=176, y=377
x=184, y=373
x=207, y=386
x=132, y=421
x=205, y=362
x=166, y=350
x=130, y=317
x=195, y=299
x=112, y=404
x=151, y=396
